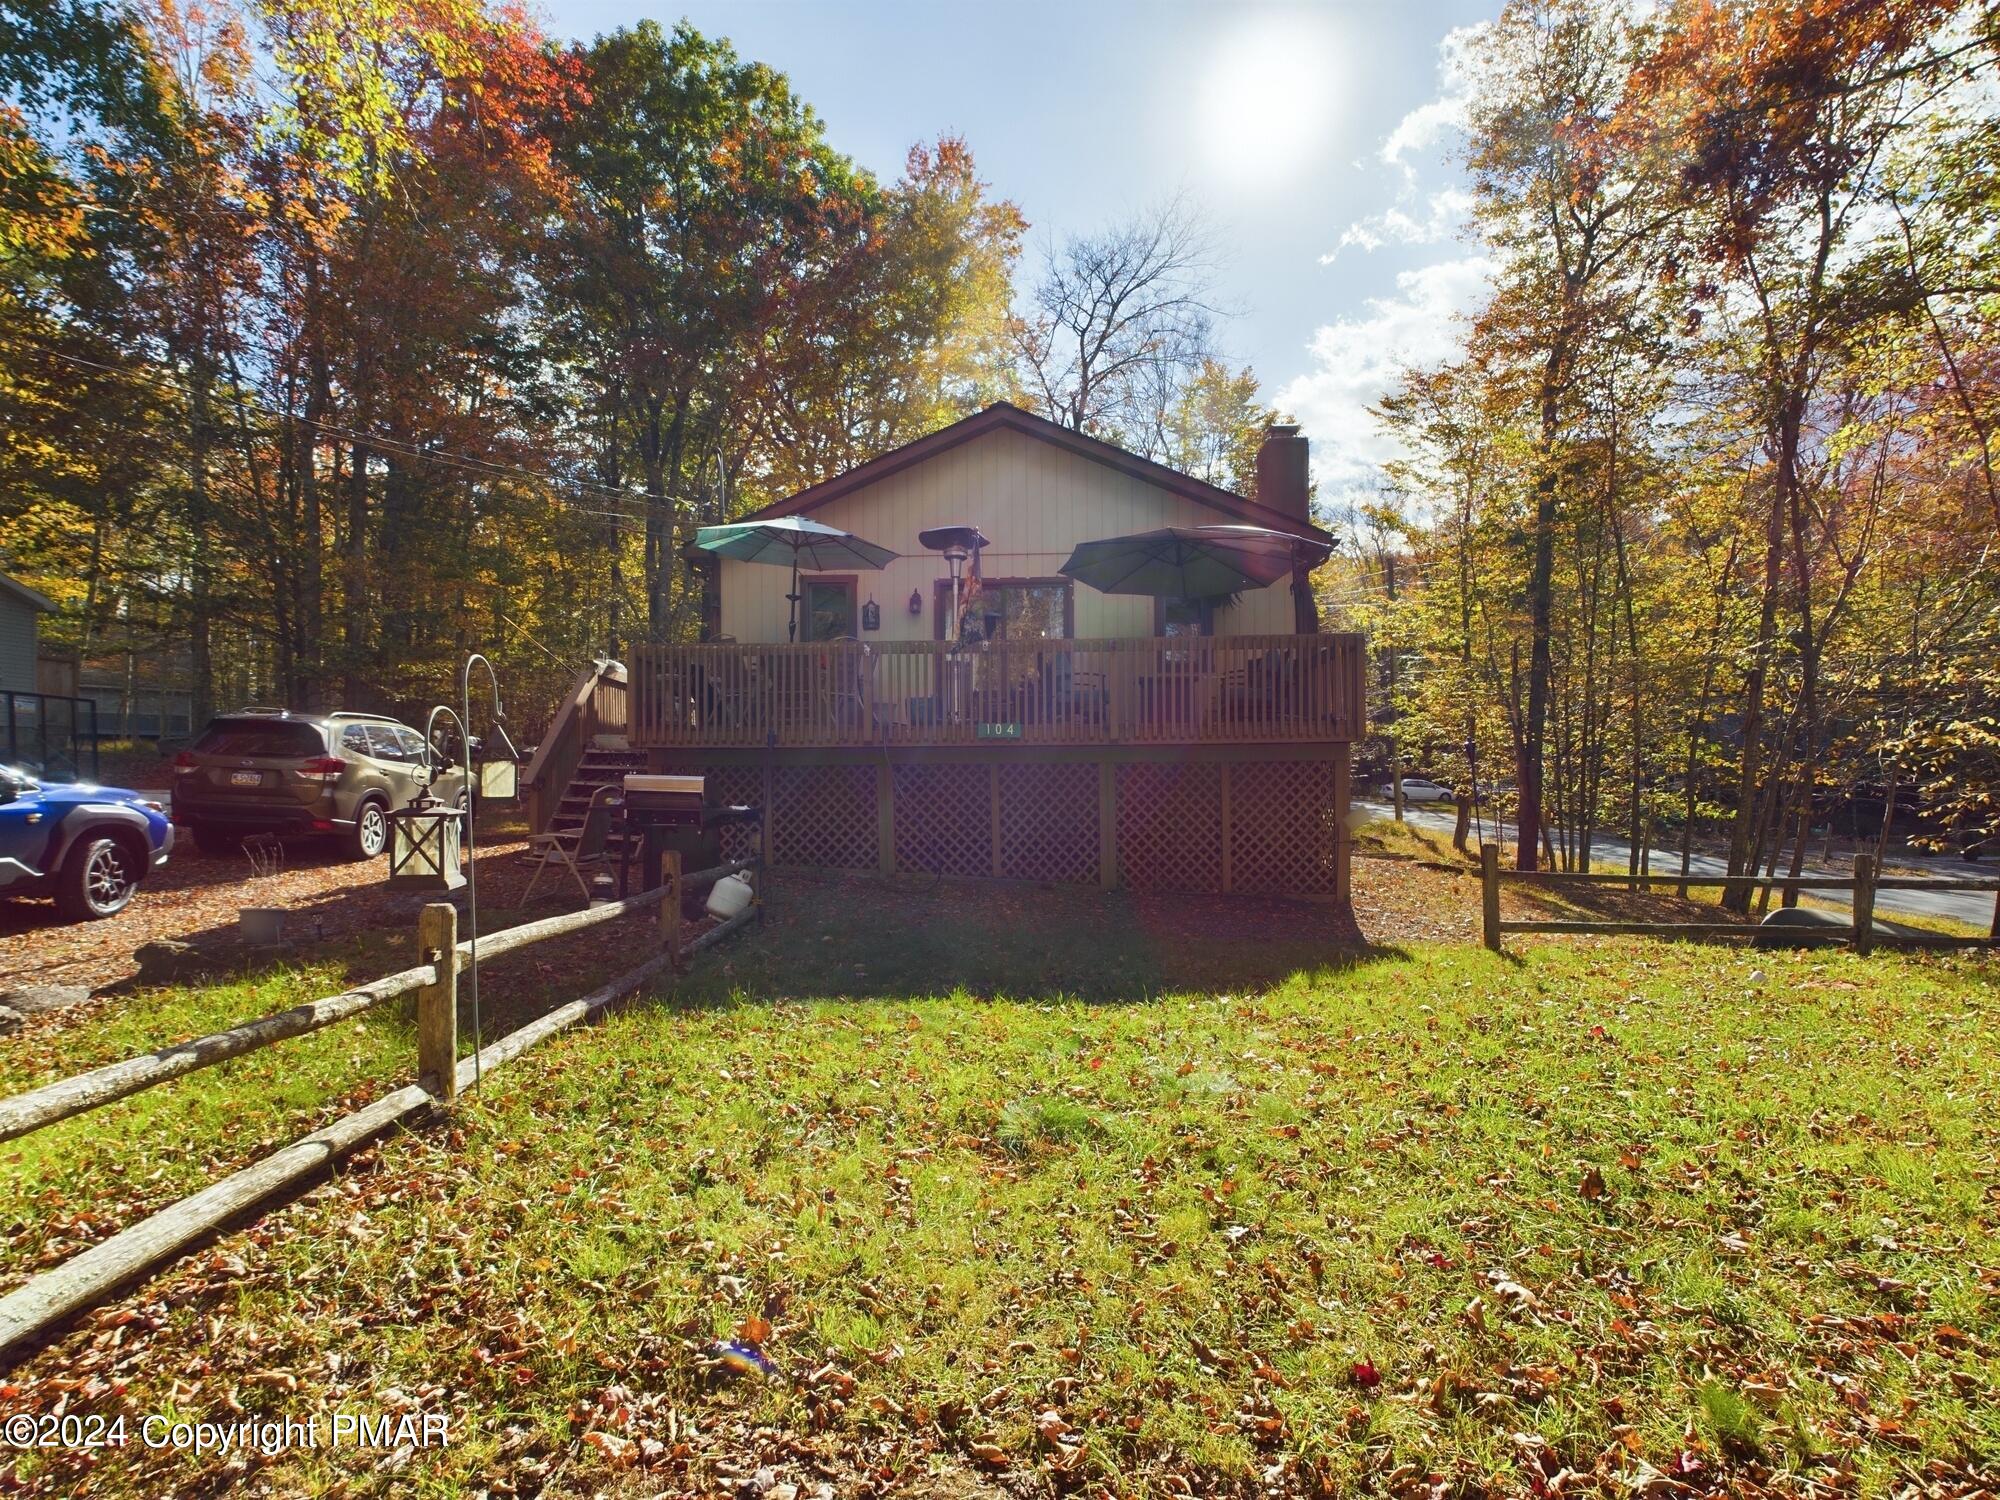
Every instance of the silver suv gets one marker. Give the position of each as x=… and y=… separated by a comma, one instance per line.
x=269, y=771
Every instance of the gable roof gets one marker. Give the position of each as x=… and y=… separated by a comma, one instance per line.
x=25, y=594
x=1003, y=416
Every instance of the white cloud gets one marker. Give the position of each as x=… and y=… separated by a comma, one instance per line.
x=1444, y=216
x=1417, y=137
x=1355, y=361
x=1422, y=128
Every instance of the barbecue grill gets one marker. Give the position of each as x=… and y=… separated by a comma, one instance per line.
x=662, y=812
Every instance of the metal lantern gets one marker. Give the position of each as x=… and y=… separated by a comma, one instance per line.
x=499, y=780
x=499, y=767
x=871, y=616
x=423, y=847
x=916, y=601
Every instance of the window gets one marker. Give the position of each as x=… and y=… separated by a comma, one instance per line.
x=1011, y=609
x=1184, y=617
x=386, y=743
x=249, y=738
x=826, y=607
x=354, y=740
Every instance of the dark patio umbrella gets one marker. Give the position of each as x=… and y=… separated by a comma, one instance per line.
x=1192, y=562
x=794, y=540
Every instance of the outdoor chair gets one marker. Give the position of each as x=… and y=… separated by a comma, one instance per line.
x=574, y=849
x=854, y=703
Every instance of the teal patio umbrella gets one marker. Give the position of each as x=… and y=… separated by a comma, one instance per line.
x=1191, y=562
x=796, y=541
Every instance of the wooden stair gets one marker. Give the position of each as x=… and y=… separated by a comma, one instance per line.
x=597, y=768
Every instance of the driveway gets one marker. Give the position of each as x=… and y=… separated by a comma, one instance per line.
x=1974, y=907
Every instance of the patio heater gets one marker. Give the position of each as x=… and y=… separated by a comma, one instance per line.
x=955, y=544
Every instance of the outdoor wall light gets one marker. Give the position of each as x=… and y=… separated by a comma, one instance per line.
x=871, y=616
x=916, y=601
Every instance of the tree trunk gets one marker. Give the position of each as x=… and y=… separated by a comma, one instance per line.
x=1541, y=579
x=1750, y=765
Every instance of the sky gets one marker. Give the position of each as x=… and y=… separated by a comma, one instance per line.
x=1317, y=140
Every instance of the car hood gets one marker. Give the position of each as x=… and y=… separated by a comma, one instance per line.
x=84, y=791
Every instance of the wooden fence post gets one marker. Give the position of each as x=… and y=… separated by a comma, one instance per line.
x=437, y=1004
x=1489, y=894
x=670, y=905
x=759, y=869
x=1864, y=903
x=1995, y=933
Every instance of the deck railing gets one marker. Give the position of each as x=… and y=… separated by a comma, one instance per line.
x=1178, y=690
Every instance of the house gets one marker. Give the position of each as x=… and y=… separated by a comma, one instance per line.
x=21, y=611
x=1063, y=735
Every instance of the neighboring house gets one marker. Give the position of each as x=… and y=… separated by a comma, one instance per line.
x=21, y=610
x=1070, y=736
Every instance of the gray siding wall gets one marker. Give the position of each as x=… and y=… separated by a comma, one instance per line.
x=18, y=623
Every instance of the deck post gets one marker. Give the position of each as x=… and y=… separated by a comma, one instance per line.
x=995, y=820
x=1107, y=824
x=1228, y=861
x=885, y=819
x=1489, y=895
x=437, y=1003
x=1864, y=903
x=670, y=905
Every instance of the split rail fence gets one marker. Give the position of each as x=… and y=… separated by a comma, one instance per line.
x=1862, y=935
x=80, y=1282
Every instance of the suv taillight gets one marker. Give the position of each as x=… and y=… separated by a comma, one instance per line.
x=325, y=767
x=185, y=762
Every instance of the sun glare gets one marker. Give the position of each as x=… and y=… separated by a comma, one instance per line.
x=1268, y=98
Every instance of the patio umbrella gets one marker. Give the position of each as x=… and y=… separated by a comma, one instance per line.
x=1191, y=562
x=794, y=540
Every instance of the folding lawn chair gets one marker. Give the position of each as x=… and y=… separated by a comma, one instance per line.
x=573, y=849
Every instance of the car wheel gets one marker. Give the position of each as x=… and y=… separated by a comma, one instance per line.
x=97, y=879
x=370, y=834
x=216, y=841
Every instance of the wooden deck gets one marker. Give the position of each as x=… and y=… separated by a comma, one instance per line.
x=1230, y=690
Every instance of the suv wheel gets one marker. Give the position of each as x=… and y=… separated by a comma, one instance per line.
x=97, y=879
x=370, y=834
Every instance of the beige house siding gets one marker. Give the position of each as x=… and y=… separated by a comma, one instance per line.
x=1034, y=502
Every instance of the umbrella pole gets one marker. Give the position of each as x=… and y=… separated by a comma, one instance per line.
x=792, y=628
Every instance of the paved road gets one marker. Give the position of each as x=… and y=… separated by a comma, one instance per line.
x=1975, y=907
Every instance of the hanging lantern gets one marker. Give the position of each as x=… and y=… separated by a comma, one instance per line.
x=499, y=768
x=916, y=601
x=871, y=616
x=423, y=847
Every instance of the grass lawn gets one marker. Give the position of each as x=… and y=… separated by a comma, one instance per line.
x=1038, y=1191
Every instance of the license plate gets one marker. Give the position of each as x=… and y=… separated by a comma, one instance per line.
x=246, y=778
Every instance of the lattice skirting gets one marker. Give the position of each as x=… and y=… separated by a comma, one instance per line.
x=1170, y=826
x=1048, y=823
x=944, y=819
x=824, y=816
x=1284, y=830
x=1254, y=826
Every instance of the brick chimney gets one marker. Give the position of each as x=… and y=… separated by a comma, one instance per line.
x=1283, y=475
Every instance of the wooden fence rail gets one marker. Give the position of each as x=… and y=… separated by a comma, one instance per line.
x=87, y=1091
x=77, y=1283
x=1864, y=883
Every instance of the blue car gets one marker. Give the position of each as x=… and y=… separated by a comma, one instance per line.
x=87, y=846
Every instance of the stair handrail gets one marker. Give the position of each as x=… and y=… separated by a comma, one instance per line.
x=561, y=748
